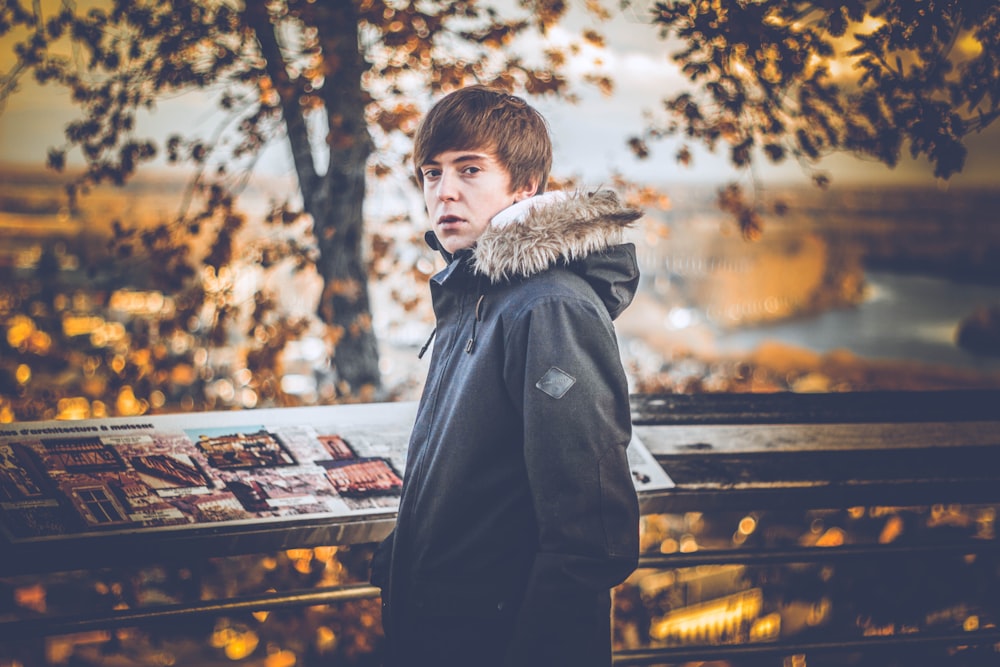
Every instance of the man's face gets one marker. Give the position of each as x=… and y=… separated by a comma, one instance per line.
x=463, y=190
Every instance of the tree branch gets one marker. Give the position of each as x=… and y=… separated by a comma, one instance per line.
x=288, y=91
x=342, y=93
x=8, y=82
x=980, y=121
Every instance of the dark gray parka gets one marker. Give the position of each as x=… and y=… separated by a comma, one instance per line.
x=518, y=505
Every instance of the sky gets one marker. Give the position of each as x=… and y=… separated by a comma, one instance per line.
x=589, y=137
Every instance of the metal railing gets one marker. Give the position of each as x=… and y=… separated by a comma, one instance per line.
x=974, y=418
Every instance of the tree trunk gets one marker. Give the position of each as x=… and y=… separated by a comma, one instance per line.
x=333, y=199
x=337, y=205
x=344, y=305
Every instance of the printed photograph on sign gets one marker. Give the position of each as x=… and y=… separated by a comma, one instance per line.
x=88, y=454
x=19, y=481
x=242, y=447
x=364, y=483
x=338, y=448
x=168, y=473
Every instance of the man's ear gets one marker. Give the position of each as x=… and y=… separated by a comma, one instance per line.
x=527, y=191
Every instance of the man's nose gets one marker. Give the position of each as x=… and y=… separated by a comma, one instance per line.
x=447, y=187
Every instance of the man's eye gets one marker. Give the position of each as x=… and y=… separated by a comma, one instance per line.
x=472, y=170
x=432, y=173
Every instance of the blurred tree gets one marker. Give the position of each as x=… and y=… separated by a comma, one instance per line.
x=340, y=81
x=805, y=78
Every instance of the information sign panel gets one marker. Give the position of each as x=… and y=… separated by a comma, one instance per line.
x=65, y=479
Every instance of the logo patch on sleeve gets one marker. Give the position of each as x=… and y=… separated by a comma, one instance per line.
x=556, y=382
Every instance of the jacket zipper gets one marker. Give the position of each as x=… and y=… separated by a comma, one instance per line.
x=451, y=343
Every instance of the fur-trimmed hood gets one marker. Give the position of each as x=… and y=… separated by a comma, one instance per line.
x=580, y=231
x=554, y=228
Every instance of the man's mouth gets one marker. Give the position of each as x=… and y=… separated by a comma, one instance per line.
x=447, y=220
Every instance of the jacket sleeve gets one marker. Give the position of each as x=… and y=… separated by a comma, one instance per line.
x=564, y=367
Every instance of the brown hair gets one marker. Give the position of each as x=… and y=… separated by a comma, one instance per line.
x=483, y=118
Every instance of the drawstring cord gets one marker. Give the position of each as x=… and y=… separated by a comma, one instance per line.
x=472, y=339
x=479, y=313
x=420, y=354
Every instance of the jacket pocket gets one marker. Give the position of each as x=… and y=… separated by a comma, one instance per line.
x=381, y=561
x=619, y=505
x=454, y=598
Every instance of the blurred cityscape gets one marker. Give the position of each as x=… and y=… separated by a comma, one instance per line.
x=847, y=290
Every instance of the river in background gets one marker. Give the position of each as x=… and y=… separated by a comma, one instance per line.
x=904, y=317
x=699, y=274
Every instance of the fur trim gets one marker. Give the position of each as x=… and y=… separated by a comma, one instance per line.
x=560, y=231
x=522, y=209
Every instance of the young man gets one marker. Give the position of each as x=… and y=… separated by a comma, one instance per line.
x=518, y=512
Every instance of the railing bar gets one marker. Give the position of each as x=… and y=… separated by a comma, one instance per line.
x=127, y=618
x=717, y=652
x=809, y=554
